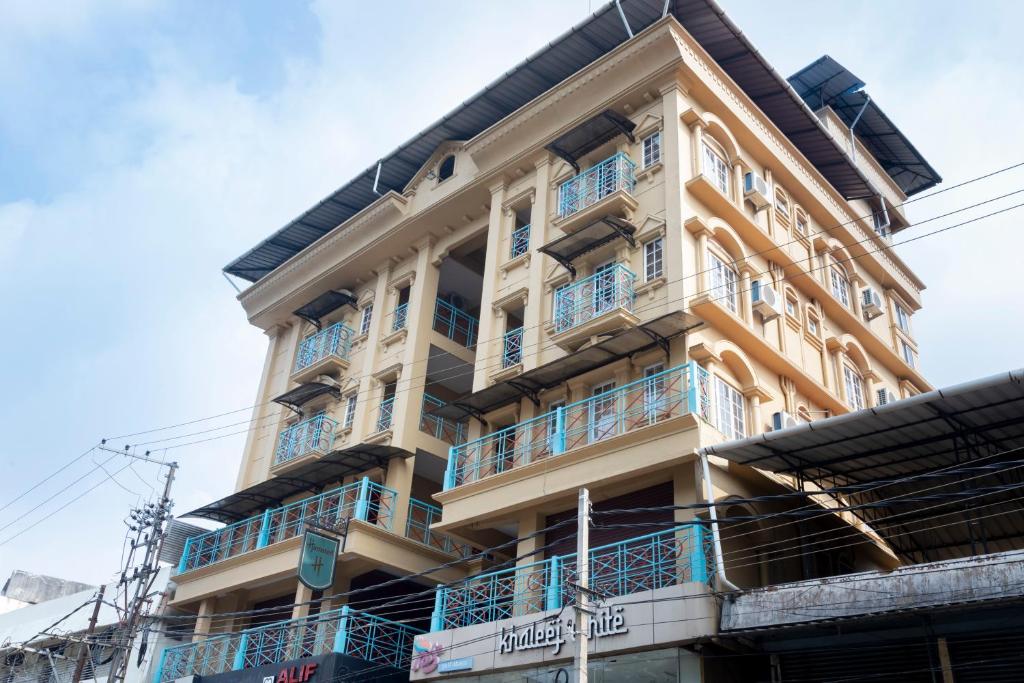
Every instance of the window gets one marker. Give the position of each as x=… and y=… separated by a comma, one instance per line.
x=552, y=426
x=603, y=411
x=801, y=223
x=854, y=388
x=655, y=402
x=652, y=149
x=716, y=168
x=813, y=326
x=840, y=284
x=653, y=262
x=902, y=318
x=731, y=410
x=350, y=411
x=723, y=283
x=366, y=319
x=907, y=352
x=791, y=307
x=447, y=168
x=781, y=203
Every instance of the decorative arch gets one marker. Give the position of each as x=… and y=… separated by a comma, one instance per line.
x=727, y=239
x=856, y=354
x=742, y=541
x=840, y=256
x=736, y=361
x=720, y=133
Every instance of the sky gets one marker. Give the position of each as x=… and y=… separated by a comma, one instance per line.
x=144, y=144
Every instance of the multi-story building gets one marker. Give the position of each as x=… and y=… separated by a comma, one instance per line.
x=640, y=242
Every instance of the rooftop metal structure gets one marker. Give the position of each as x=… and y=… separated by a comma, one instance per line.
x=583, y=44
x=938, y=475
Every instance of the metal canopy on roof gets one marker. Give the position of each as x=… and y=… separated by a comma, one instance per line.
x=306, y=478
x=946, y=445
x=607, y=229
x=826, y=82
x=330, y=300
x=583, y=44
x=590, y=135
x=304, y=393
x=529, y=384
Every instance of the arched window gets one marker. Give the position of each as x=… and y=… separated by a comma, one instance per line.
x=714, y=164
x=723, y=277
x=782, y=204
x=446, y=169
x=840, y=283
x=730, y=409
x=813, y=323
x=802, y=225
x=854, y=385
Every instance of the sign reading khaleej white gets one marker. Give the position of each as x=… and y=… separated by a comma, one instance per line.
x=553, y=633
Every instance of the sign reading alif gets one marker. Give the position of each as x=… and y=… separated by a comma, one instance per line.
x=317, y=559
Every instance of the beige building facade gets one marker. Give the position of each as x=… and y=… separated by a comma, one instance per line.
x=636, y=262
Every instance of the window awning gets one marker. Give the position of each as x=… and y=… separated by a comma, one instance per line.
x=325, y=303
x=657, y=332
x=567, y=249
x=307, y=478
x=590, y=135
x=304, y=393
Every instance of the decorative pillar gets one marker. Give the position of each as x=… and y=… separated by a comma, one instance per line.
x=672, y=151
x=533, y=315
x=303, y=595
x=366, y=396
x=746, y=293
x=489, y=336
x=203, y=619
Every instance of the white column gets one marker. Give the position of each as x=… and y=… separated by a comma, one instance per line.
x=488, y=348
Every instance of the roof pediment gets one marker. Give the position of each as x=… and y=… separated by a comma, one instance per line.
x=443, y=150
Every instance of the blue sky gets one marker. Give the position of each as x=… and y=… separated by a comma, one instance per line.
x=144, y=144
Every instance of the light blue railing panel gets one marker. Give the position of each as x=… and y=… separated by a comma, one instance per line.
x=449, y=431
x=520, y=242
x=591, y=186
x=591, y=297
x=665, y=558
x=315, y=435
x=386, y=414
x=345, y=630
x=512, y=349
x=421, y=516
x=624, y=409
x=455, y=324
x=335, y=340
x=399, y=317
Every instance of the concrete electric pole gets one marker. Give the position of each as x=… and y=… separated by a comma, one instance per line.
x=583, y=608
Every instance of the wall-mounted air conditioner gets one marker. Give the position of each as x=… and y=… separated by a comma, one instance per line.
x=782, y=420
x=755, y=190
x=871, y=303
x=766, y=300
x=884, y=397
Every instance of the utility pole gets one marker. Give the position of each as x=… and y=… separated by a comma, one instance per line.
x=582, y=586
x=84, y=651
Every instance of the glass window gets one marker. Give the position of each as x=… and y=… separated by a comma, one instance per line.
x=447, y=169
x=781, y=203
x=350, y=410
x=854, y=388
x=791, y=307
x=907, y=352
x=902, y=318
x=840, y=285
x=812, y=325
x=652, y=149
x=723, y=283
x=716, y=168
x=801, y=224
x=655, y=399
x=653, y=262
x=367, y=317
x=731, y=410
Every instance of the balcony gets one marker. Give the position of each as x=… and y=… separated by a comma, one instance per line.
x=324, y=352
x=520, y=242
x=399, y=317
x=594, y=305
x=667, y=558
x=455, y=324
x=345, y=631
x=451, y=432
x=363, y=500
x=512, y=348
x=421, y=516
x=312, y=436
x=386, y=415
x=638, y=405
x=601, y=190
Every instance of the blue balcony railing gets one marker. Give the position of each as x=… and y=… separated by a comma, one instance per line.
x=591, y=186
x=455, y=324
x=386, y=415
x=666, y=558
x=399, y=317
x=421, y=516
x=346, y=631
x=645, y=402
x=512, y=349
x=335, y=340
x=364, y=500
x=315, y=435
x=520, y=242
x=449, y=431
x=582, y=301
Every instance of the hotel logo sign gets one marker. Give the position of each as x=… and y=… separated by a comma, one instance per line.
x=317, y=559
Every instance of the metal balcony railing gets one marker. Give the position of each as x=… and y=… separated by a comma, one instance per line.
x=666, y=558
x=591, y=186
x=449, y=431
x=346, y=631
x=512, y=350
x=399, y=317
x=582, y=301
x=455, y=324
x=364, y=500
x=639, y=404
x=520, y=242
x=421, y=516
x=335, y=340
x=315, y=435
x=386, y=415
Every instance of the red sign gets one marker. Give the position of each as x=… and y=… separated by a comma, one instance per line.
x=296, y=674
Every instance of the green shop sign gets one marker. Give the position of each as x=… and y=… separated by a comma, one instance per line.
x=316, y=561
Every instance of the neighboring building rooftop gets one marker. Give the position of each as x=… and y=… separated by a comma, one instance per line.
x=34, y=588
x=583, y=44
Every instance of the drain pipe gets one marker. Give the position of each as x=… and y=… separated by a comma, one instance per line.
x=716, y=538
x=853, y=141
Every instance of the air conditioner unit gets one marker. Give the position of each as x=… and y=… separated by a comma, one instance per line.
x=782, y=420
x=766, y=300
x=871, y=303
x=755, y=189
x=885, y=397
x=457, y=301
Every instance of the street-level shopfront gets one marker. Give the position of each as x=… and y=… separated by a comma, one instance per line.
x=328, y=668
